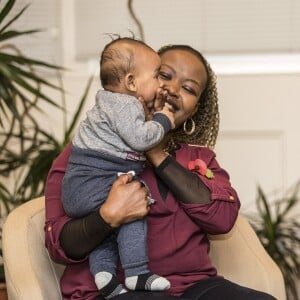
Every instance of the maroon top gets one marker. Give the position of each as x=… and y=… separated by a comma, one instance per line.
x=177, y=233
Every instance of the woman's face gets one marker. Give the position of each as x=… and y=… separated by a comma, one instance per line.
x=184, y=77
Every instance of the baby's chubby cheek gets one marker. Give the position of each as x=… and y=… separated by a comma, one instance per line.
x=146, y=103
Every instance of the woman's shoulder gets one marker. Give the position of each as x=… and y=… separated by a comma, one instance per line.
x=192, y=147
x=191, y=150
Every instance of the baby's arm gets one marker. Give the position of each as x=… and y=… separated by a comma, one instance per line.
x=159, y=106
x=167, y=111
x=138, y=133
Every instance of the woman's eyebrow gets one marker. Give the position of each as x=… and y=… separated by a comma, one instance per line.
x=194, y=81
x=189, y=79
x=173, y=70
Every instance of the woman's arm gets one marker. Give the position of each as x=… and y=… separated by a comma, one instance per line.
x=72, y=240
x=186, y=185
x=212, y=203
x=80, y=236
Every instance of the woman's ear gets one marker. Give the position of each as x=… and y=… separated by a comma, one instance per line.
x=130, y=83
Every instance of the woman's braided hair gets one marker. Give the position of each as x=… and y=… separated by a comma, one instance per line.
x=207, y=116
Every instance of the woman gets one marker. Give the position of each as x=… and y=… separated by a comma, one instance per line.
x=193, y=196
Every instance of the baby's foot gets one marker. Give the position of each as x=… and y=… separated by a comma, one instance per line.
x=109, y=285
x=148, y=282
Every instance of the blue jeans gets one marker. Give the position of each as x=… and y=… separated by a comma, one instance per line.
x=86, y=184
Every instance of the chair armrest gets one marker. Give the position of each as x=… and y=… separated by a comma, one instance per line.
x=29, y=271
x=240, y=257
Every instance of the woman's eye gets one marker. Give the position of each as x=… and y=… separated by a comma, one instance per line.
x=189, y=90
x=164, y=76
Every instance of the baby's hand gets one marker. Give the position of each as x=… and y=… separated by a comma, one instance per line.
x=167, y=111
x=148, y=110
x=160, y=99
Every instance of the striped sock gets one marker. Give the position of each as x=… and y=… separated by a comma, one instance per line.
x=108, y=285
x=148, y=282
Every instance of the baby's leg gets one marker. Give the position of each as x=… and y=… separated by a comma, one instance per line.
x=103, y=261
x=133, y=253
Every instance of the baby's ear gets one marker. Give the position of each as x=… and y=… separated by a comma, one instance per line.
x=130, y=83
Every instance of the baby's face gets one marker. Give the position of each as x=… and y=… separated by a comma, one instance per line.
x=147, y=65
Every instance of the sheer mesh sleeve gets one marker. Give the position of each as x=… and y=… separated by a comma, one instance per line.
x=80, y=236
x=185, y=185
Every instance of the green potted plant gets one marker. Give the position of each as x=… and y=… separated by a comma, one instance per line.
x=21, y=96
x=279, y=232
x=25, y=146
x=26, y=150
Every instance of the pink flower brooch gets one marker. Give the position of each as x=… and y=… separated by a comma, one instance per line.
x=200, y=167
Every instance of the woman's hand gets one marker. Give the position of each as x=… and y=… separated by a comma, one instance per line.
x=126, y=202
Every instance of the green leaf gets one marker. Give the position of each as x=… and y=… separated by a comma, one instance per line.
x=6, y=9
x=22, y=60
x=5, y=197
x=32, y=76
x=279, y=234
x=24, y=84
x=13, y=19
x=7, y=94
x=209, y=174
x=13, y=34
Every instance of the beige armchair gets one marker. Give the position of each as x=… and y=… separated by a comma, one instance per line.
x=31, y=274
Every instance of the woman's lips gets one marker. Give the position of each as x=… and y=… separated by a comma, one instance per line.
x=170, y=107
x=172, y=104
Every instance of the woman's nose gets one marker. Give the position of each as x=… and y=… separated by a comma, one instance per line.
x=173, y=89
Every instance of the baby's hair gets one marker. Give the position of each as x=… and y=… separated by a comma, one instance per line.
x=115, y=61
x=115, y=36
x=207, y=116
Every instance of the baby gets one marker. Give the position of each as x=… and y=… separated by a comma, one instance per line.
x=111, y=140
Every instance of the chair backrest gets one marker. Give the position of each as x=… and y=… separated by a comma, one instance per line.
x=29, y=271
x=31, y=274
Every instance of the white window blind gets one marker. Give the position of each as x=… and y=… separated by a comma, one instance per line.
x=41, y=14
x=239, y=26
x=213, y=26
x=94, y=20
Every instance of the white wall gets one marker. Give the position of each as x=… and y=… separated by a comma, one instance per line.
x=259, y=139
x=259, y=98
x=259, y=95
x=259, y=129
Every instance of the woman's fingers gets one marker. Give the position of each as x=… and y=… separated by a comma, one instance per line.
x=126, y=202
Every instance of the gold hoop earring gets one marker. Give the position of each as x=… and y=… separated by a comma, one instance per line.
x=193, y=127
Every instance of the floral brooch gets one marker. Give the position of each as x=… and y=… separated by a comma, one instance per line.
x=200, y=167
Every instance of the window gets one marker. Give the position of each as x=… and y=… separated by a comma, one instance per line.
x=226, y=31
x=213, y=26
x=44, y=15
